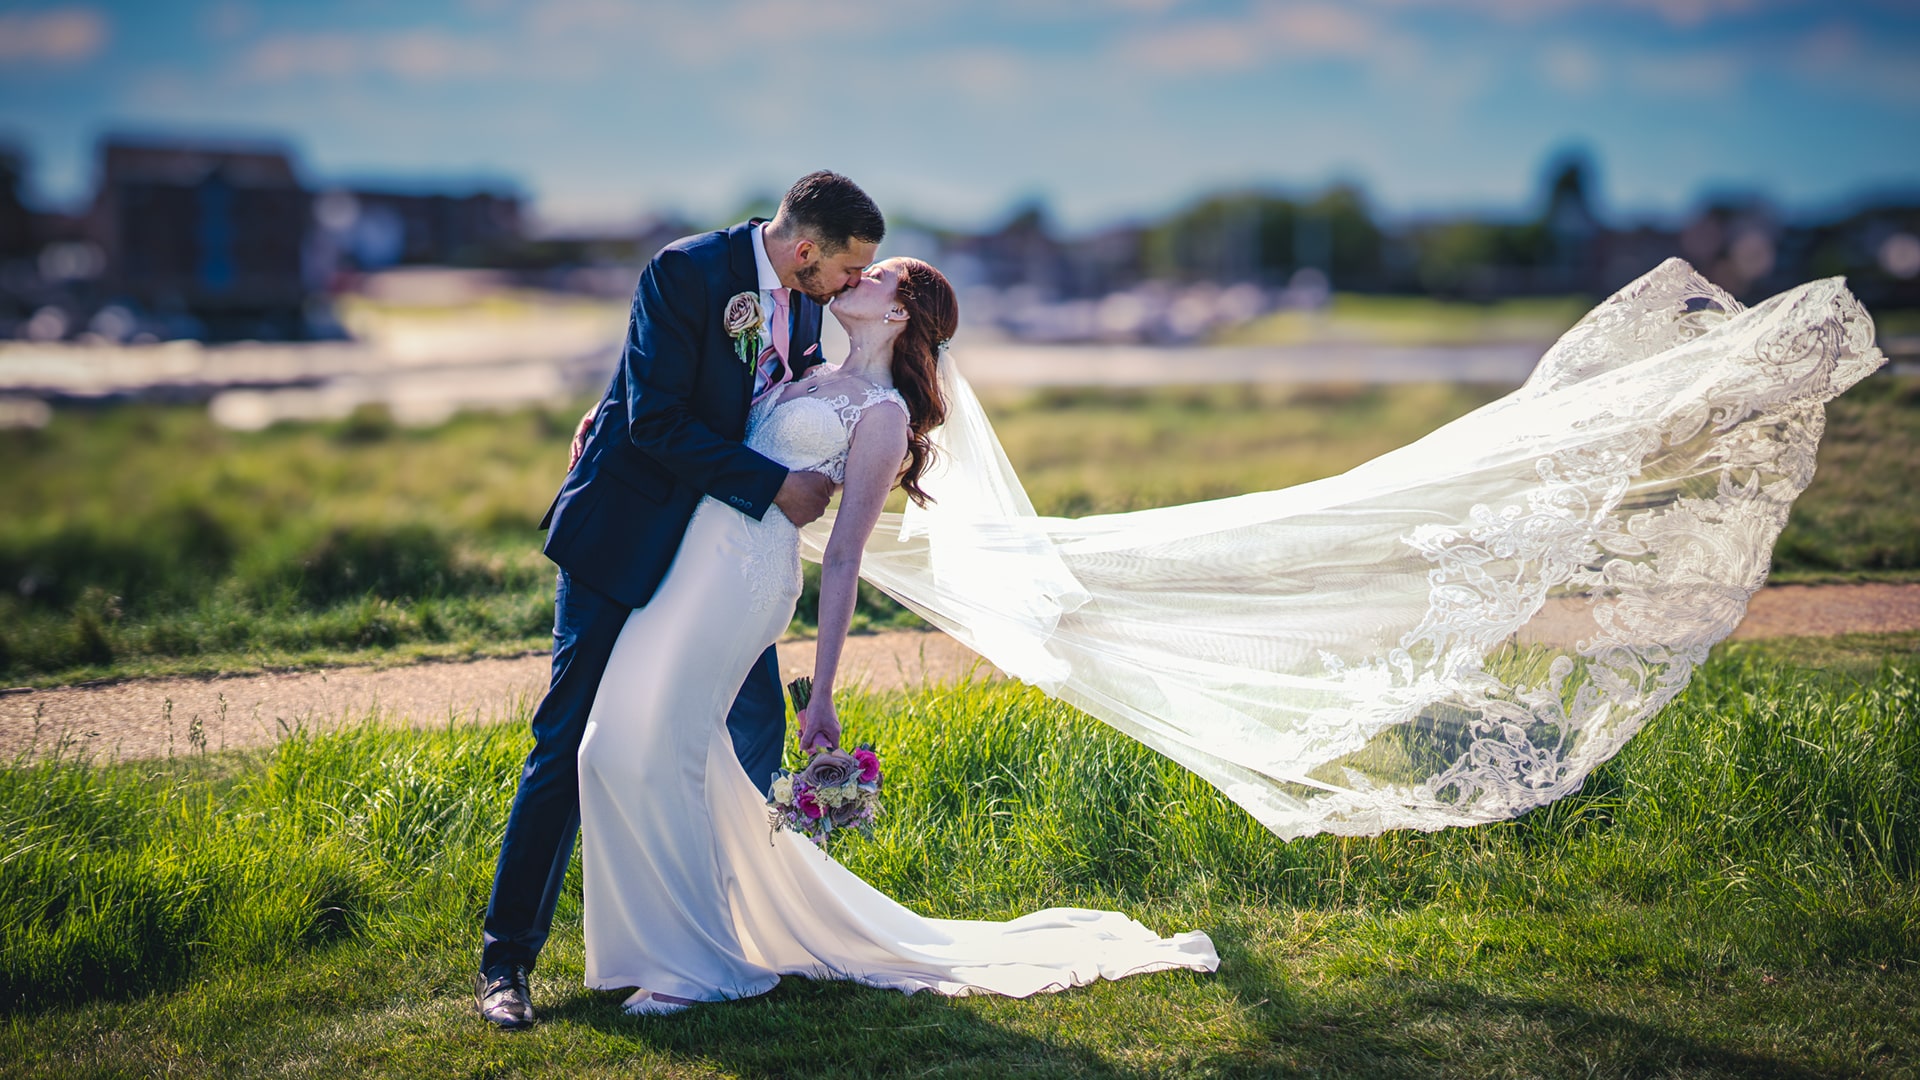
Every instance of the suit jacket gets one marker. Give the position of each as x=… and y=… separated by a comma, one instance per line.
x=669, y=428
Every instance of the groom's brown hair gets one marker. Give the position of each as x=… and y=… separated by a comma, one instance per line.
x=834, y=211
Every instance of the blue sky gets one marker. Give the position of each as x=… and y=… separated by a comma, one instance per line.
x=602, y=110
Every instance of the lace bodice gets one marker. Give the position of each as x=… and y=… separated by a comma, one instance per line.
x=813, y=433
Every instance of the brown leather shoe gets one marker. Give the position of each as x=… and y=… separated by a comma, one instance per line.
x=503, y=998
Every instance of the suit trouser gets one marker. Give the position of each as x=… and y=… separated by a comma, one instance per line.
x=545, y=820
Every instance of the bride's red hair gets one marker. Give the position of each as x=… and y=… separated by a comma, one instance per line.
x=933, y=314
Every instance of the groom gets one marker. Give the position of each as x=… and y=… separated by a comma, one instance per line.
x=667, y=433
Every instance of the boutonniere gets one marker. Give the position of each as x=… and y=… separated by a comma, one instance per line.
x=746, y=325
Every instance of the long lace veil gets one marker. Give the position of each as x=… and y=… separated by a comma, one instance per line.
x=1455, y=632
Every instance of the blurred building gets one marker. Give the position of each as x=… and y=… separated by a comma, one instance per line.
x=371, y=228
x=221, y=240
x=1232, y=256
x=226, y=240
x=16, y=221
x=209, y=232
x=19, y=245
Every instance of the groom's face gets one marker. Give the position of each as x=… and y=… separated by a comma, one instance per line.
x=824, y=276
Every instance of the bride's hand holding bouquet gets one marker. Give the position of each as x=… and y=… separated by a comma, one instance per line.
x=819, y=723
x=836, y=789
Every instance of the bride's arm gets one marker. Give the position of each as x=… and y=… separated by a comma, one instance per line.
x=878, y=446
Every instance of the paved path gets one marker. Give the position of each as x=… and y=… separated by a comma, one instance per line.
x=424, y=371
x=149, y=717
x=139, y=718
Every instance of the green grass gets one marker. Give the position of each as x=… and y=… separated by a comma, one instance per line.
x=1857, y=519
x=1414, y=320
x=146, y=540
x=1734, y=895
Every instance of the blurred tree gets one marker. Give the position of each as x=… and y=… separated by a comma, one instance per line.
x=1572, y=228
x=1353, y=245
x=758, y=205
x=1232, y=236
x=1467, y=258
x=1261, y=236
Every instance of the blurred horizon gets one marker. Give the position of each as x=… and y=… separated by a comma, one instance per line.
x=1524, y=205
x=444, y=205
x=605, y=114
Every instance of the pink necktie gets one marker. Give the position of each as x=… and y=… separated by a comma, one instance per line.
x=770, y=371
x=780, y=320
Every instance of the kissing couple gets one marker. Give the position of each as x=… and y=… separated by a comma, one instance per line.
x=1455, y=632
x=722, y=432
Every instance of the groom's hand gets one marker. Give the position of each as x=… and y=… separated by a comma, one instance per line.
x=580, y=436
x=803, y=496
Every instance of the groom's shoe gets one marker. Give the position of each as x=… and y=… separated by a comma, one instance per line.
x=503, y=998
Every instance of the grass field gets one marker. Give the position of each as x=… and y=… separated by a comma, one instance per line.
x=1413, y=320
x=1735, y=895
x=147, y=540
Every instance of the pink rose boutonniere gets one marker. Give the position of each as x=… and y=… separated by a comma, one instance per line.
x=745, y=324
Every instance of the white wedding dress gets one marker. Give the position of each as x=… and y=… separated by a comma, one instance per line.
x=1452, y=633
x=1455, y=632
x=687, y=893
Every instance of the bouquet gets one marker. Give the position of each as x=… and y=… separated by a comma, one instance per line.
x=834, y=792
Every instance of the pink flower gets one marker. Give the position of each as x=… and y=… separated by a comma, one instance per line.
x=869, y=765
x=829, y=769
x=808, y=805
x=742, y=314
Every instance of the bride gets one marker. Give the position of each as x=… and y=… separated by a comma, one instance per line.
x=1453, y=633
x=687, y=896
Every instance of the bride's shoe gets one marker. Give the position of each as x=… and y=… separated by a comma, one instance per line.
x=648, y=1003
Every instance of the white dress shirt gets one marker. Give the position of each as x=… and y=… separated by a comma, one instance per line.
x=769, y=281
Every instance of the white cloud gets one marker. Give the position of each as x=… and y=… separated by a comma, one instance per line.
x=55, y=37
x=1571, y=68
x=731, y=32
x=983, y=74
x=226, y=20
x=1835, y=59
x=1680, y=13
x=416, y=55
x=166, y=88
x=1267, y=32
x=1829, y=49
x=1696, y=12
x=1839, y=55
x=286, y=56
x=1699, y=73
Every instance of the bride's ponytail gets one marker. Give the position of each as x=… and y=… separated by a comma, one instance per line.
x=933, y=313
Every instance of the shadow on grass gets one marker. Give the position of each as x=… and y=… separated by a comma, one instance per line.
x=819, y=1028
x=1404, y=1027
x=1414, y=1029
x=362, y=1011
x=1386, y=1027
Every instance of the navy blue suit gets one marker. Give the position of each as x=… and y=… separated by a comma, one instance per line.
x=666, y=433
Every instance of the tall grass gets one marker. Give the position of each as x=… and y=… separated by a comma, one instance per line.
x=133, y=537
x=1770, y=818
x=1857, y=517
x=146, y=539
